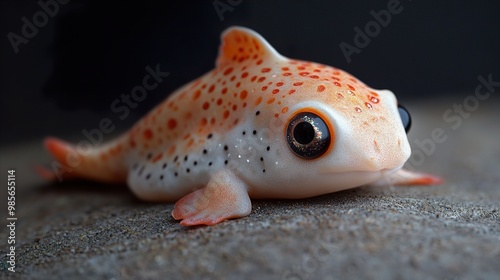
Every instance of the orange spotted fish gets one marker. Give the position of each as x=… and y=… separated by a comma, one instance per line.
x=259, y=125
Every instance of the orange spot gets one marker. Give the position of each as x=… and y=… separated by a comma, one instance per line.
x=264, y=88
x=291, y=91
x=190, y=142
x=212, y=87
x=235, y=107
x=238, y=84
x=226, y=114
x=219, y=101
x=275, y=91
x=171, y=150
x=261, y=79
x=351, y=87
x=243, y=94
x=182, y=95
x=244, y=75
x=284, y=110
x=212, y=120
x=148, y=134
x=285, y=69
x=132, y=143
x=304, y=73
x=270, y=100
x=206, y=105
x=224, y=90
x=244, y=104
x=172, y=123
x=314, y=76
x=253, y=78
x=203, y=122
x=320, y=88
x=287, y=74
x=297, y=84
x=259, y=62
x=258, y=100
x=374, y=93
x=232, y=78
x=228, y=71
x=265, y=70
x=186, y=136
x=368, y=105
x=276, y=115
x=337, y=84
x=279, y=84
x=157, y=157
x=301, y=68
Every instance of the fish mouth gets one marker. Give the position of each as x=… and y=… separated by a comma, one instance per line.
x=333, y=171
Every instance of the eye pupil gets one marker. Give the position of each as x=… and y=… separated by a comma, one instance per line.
x=304, y=133
x=308, y=135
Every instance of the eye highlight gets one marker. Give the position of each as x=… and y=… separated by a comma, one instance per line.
x=405, y=117
x=308, y=135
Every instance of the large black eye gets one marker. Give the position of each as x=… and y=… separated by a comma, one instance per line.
x=405, y=117
x=308, y=135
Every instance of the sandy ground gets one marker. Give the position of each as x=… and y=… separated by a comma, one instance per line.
x=83, y=230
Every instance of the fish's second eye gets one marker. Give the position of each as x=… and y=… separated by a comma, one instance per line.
x=308, y=135
x=405, y=117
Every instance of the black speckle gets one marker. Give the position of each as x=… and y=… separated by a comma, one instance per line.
x=225, y=148
x=141, y=170
x=176, y=158
x=254, y=132
x=210, y=164
x=225, y=162
x=149, y=156
x=263, y=171
x=176, y=174
x=164, y=165
x=268, y=148
x=195, y=163
x=186, y=158
x=161, y=177
x=205, y=151
x=257, y=113
x=148, y=176
x=210, y=135
x=188, y=170
x=261, y=159
x=244, y=133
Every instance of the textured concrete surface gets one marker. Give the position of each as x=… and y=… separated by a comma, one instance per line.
x=83, y=230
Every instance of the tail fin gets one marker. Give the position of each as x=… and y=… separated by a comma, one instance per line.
x=102, y=163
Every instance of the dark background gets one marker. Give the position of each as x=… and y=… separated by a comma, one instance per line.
x=66, y=77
